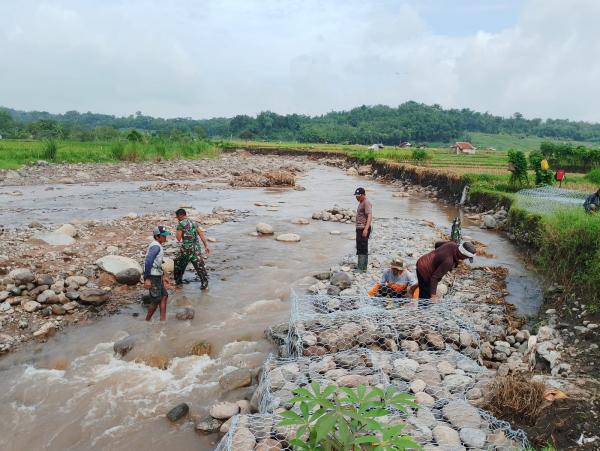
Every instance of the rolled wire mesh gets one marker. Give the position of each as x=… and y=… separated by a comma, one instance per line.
x=548, y=199
x=450, y=425
x=422, y=326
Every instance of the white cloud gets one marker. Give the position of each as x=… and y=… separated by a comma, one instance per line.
x=212, y=58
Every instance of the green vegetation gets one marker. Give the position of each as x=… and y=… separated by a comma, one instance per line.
x=518, y=169
x=340, y=418
x=410, y=121
x=16, y=153
x=593, y=176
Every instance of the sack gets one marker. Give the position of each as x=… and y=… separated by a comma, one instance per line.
x=560, y=175
x=544, y=165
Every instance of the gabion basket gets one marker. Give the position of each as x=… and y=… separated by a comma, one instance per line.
x=413, y=327
x=448, y=425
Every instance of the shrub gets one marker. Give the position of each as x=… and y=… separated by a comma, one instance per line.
x=593, y=176
x=135, y=136
x=517, y=165
x=117, y=151
x=421, y=155
x=542, y=177
x=340, y=418
x=50, y=150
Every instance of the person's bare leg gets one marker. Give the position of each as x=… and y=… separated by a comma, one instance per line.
x=163, y=309
x=151, y=310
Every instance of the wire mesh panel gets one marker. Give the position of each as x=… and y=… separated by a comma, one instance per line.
x=448, y=425
x=280, y=376
x=420, y=327
x=547, y=199
x=432, y=376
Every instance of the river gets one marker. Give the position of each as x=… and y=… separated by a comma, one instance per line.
x=72, y=393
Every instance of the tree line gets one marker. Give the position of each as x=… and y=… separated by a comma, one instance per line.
x=411, y=121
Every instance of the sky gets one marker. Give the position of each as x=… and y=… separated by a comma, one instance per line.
x=210, y=58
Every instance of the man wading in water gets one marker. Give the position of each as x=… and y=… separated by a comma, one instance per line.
x=191, y=252
x=433, y=266
x=364, y=217
x=154, y=279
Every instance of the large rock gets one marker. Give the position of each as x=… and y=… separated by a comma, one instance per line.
x=21, y=276
x=462, y=414
x=341, y=279
x=446, y=436
x=44, y=279
x=300, y=221
x=473, y=438
x=125, y=345
x=67, y=229
x=177, y=412
x=351, y=171
x=54, y=238
x=93, y=296
x=489, y=222
x=352, y=380
x=288, y=237
x=268, y=444
x=224, y=410
x=187, y=313
x=208, y=425
x=114, y=264
x=31, y=306
x=264, y=229
x=365, y=170
x=236, y=379
x=129, y=276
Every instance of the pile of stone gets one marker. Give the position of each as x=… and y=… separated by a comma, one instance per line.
x=408, y=328
x=171, y=186
x=491, y=219
x=455, y=425
x=336, y=214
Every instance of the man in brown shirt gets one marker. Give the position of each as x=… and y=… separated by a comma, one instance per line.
x=433, y=266
x=364, y=218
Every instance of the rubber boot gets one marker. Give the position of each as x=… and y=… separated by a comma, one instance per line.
x=363, y=261
x=202, y=274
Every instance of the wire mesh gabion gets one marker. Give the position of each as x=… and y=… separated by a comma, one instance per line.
x=548, y=199
x=449, y=425
x=430, y=375
x=413, y=327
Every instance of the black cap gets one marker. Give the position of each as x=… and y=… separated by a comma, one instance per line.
x=359, y=191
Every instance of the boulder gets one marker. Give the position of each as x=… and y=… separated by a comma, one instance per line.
x=47, y=329
x=445, y=436
x=114, y=264
x=352, y=380
x=21, y=276
x=129, y=276
x=178, y=412
x=488, y=222
x=77, y=280
x=268, y=444
x=365, y=169
x=417, y=386
x=423, y=398
x=31, y=306
x=67, y=229
x=54, y=238
x=436, y=340
x=462, y=414
x=264, y=229
x=473, y=438
x=351, y=171
x=187, y=313
x=224, y=410
x=44, y=279
x=236, y=379
x=341, y=279
x=58, y=310
x=93, y=296
x=300, y=221
x=288, y=237
x=208, y=425
x=124, y=345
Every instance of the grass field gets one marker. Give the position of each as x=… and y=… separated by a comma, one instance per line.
x=16, y=153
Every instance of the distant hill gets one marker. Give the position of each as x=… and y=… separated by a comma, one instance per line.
x=411, y=121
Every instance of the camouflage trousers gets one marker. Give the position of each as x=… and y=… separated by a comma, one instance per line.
x=185, y=257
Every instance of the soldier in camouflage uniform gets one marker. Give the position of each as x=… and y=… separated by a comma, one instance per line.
x=190, y=236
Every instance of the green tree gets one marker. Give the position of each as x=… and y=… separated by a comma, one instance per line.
x=542, y=177
x=135, y=136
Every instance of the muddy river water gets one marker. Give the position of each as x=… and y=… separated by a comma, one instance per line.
x=72, y=393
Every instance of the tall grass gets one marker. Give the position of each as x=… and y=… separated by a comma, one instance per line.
x=570, y=252
x=117, y=151
x=50, y=150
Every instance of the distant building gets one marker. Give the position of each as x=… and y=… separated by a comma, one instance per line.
x=460, y=147
x=405, y=144
x=376, y=146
